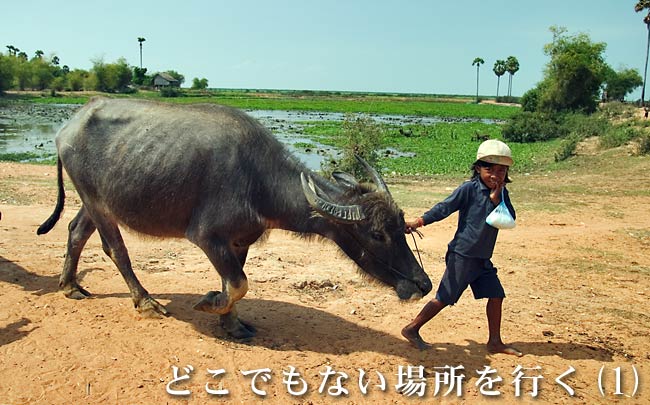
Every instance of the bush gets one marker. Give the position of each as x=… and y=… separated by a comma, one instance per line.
x=644, y=145
x=536, y=126
x=618, y=135
x=111, y=77
x=361, y=136
x=171, y=92
x=616, y=110
x=530, y=100
x=507, y=99
x=529, y=126
x=6, y=72
x=568, y=147
x=584, y=126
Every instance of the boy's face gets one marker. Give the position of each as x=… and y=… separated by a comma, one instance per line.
x=493, y=175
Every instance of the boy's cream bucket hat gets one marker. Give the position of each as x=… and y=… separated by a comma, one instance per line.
x=496, y=152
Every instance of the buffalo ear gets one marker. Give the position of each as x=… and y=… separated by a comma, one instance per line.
x=345, y=180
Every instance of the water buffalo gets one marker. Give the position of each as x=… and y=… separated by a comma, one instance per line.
x=214, y=175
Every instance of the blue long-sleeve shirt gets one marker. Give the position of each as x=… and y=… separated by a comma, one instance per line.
x=474, y=237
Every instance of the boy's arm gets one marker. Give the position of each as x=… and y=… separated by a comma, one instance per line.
x=441, y=210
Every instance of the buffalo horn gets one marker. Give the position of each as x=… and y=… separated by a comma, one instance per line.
x=336, y=212
x=376, y=178
x=344, y=179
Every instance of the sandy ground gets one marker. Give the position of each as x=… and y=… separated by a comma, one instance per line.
x=576, y=270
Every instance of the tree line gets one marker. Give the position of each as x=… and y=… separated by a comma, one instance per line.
x=577, y=74
x=566, y=103
x=20, y=72
x=510, y=65
x=569, y=72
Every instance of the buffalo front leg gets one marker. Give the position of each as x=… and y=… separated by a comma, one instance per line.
x=79, y=230
x=228, y=262
x=114, y=247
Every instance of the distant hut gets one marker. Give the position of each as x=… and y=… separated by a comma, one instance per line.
x=161, y=80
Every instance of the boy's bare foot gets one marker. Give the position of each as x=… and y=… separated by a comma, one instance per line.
x=414, y=337
x=502, y=348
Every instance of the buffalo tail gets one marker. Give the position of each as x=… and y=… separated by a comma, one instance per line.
x=60, y=200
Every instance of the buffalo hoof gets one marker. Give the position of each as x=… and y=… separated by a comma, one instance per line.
x=150, y=308
x=237, y=328
x=75, y=292
x=214, y=302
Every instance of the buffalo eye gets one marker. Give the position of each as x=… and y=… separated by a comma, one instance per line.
x=378, y=236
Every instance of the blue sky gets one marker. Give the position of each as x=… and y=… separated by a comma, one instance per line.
x=414, y=46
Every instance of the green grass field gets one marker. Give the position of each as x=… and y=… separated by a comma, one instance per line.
x=442, y=148
x=425, y=106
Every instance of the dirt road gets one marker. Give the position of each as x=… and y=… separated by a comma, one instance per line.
x=576, y=271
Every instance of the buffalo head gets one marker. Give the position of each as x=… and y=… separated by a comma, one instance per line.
x=369, y=227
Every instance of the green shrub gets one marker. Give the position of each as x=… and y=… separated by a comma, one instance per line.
x=643, y=123
x=31, y=157
x=568, y=147
x=616, y=110
x=536, y=126
x=508, y=99
x=644, y=145
x=529, y=126
x=618, y=135
x=584, y=126
x=530, y=100
x=170, y=92
x=361, y=136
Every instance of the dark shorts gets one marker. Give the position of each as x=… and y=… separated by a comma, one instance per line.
x=461, y=271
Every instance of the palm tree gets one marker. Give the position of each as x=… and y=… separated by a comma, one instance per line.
x=141, y=40
x=512, y=66
x=39, y=54
x=478, y=62
x=640, y=6
x=499, y=69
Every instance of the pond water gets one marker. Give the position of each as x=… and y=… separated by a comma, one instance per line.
x=288, y=127
x=31, y=128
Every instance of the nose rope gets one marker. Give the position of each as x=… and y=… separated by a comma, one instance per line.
x=416, y=245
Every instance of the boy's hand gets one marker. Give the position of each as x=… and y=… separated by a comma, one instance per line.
x=411, y=226
x=495, y=193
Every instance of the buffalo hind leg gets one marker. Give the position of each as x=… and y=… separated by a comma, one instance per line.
x=79, y=230
x=114, y=247
x=229, y=264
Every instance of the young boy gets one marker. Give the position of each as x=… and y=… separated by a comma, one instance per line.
x=468, y=255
